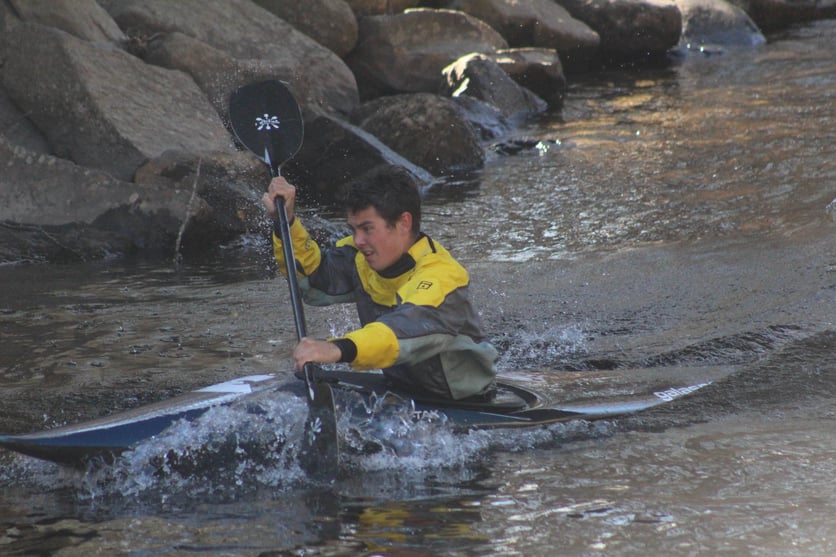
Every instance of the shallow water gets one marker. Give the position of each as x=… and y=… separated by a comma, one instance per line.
x=671, y=227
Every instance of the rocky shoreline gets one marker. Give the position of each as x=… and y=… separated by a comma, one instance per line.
x=113, y=132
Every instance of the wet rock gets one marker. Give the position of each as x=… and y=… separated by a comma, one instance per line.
x=91, y=108
x=478, y=76
x=716, y=22
x=42, y=189
x=517, y=145
x=247, y=32
x=405, y=53
x=84, y=19
x=228, y=189
x=331, y=23
x=630, y=30
x=336, y=152
x=537, y=69
x=429, y=130
x=774, y=15
x=53, y=209
x=538, y=23
x=485, y=118
x=29, y=243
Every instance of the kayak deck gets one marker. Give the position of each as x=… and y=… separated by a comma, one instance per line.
x=513, y=406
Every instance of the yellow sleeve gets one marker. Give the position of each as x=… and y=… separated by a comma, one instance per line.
x=305, y=250
x=377, y=346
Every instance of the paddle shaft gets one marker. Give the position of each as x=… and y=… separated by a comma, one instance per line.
x=266, y=119
x=290, y=267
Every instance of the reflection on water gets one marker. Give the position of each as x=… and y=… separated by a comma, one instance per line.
x=733, y=486
x=670, y=227
x=620, y=169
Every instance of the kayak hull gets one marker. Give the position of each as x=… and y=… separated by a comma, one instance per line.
x=105, y=438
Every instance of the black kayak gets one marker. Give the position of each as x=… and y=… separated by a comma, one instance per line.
x=513, y=406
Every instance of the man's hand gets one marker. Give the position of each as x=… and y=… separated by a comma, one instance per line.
x=279, y=187
x=316, y=351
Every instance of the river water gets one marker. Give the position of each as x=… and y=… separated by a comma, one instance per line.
x=671, y=225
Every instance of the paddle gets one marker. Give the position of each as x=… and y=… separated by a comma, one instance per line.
x=266, y=119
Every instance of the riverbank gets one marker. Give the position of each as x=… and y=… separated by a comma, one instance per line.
x=114, y=138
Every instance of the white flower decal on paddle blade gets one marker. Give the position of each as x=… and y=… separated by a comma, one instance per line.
x=267, y=122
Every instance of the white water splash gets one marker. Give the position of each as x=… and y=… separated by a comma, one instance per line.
x=538, y=349
x=227, y=449
x=387, y=434
x=237, y=449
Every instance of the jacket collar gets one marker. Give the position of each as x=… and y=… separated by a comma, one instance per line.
x=407, y=261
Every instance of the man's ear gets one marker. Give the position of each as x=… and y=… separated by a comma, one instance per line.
x=405, y=221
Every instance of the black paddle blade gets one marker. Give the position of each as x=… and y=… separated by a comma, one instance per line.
x=266, y=119
x=320, y=454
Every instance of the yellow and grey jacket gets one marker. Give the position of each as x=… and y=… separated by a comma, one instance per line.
x=417, y=321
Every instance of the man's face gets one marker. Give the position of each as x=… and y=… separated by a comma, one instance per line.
x=381, y=244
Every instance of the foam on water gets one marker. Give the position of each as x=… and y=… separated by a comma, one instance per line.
x=227, y=449
x=521, y=348
x=237, y=449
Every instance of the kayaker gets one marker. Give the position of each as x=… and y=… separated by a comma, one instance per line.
x=417, y=321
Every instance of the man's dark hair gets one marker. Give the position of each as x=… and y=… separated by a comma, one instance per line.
x=389, y=189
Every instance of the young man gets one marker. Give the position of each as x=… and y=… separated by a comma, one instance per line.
x=412, y=297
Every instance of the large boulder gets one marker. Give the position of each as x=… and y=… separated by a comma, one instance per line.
x=17, y=128
x=630, y=30
x=477, y=75
x=227, y=187
x=35, y=243
x=216, y=72
x=84, y=19
x=5, y=25
x=538, y=23
x=774, y=15
x=247, y=32
x=45, y=190
x=405, y=53
x=54, y=209
x=485, y=118
x=103, y=108
x=331, y=23
x=336, y=152
x=537, y=69
x=716, y=22
x=429, y=130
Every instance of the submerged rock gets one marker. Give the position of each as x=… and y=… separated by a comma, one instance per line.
x=716, y=22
